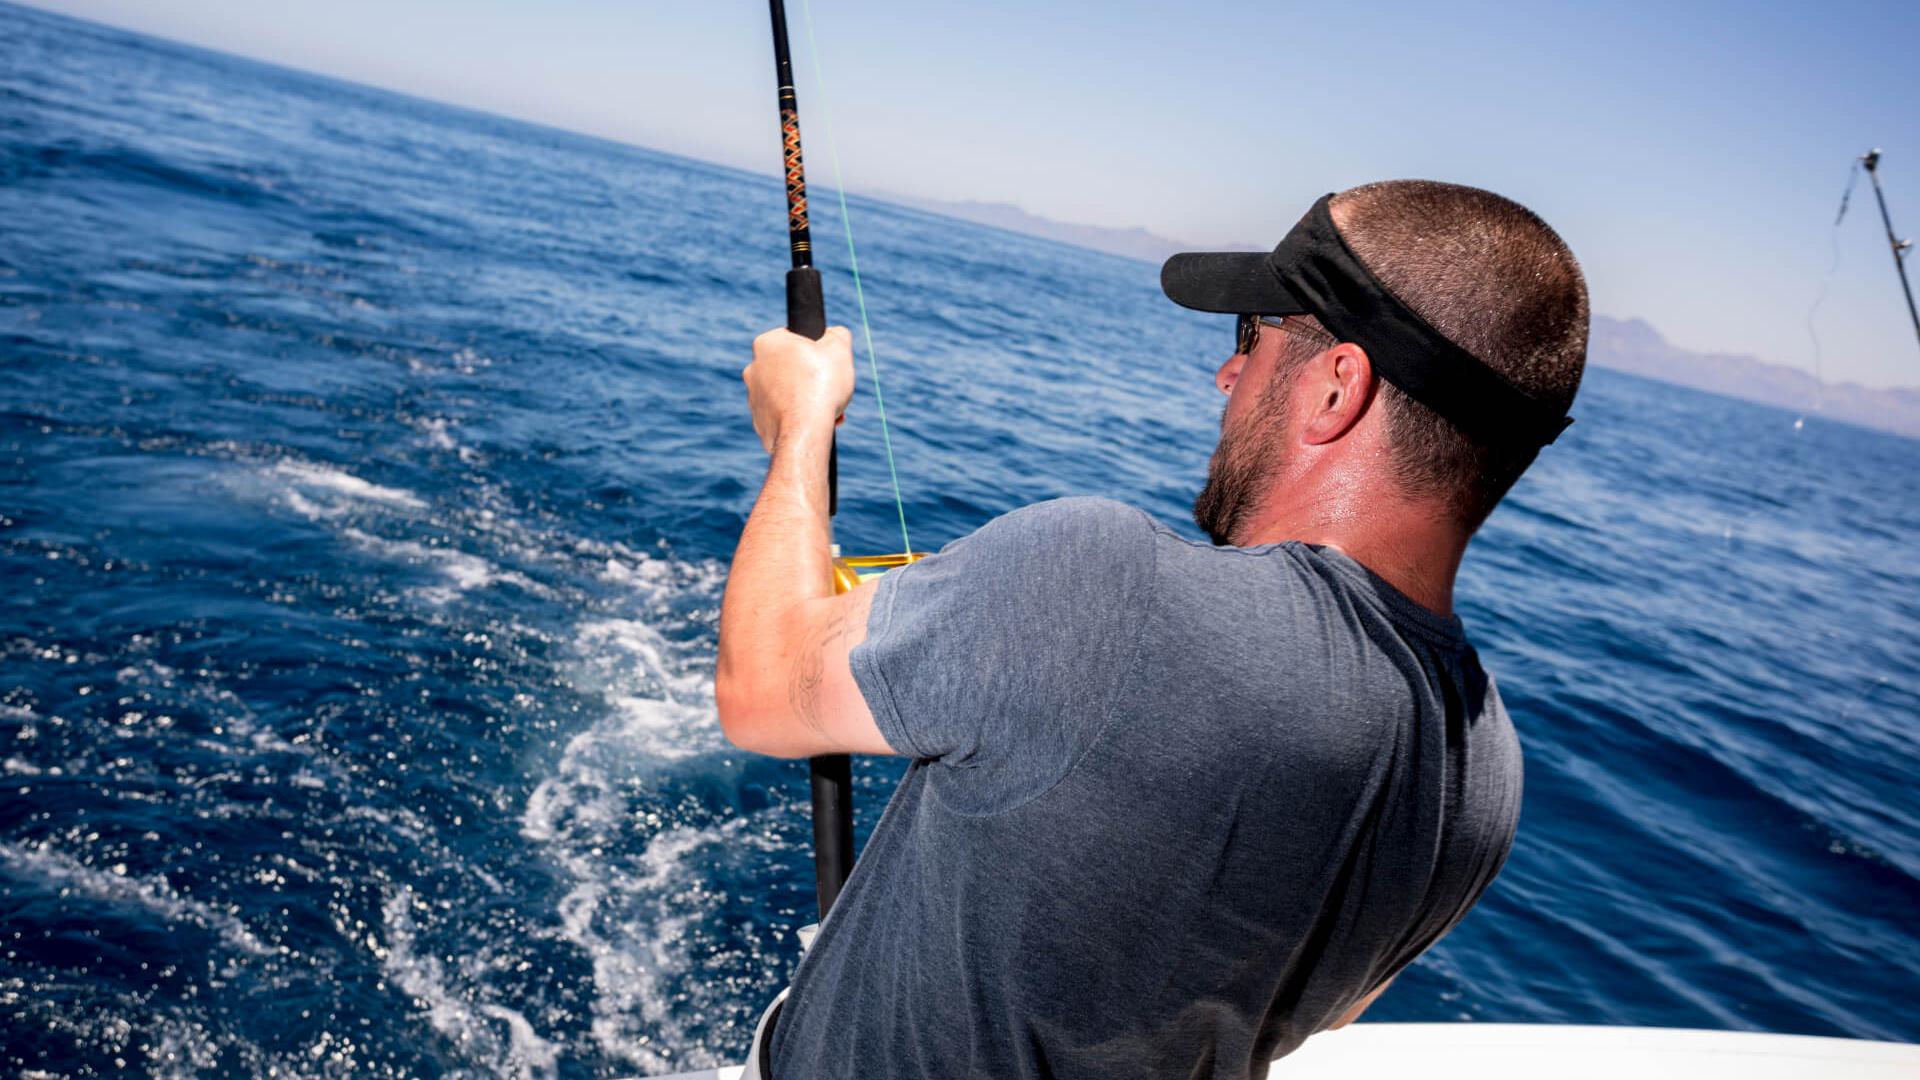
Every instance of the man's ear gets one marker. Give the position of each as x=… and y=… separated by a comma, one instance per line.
x=1339, y=383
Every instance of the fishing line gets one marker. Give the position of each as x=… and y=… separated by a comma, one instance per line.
x=1820, y=382
x=853, y=259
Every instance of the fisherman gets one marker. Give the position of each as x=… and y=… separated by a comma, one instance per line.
x=1173, y=807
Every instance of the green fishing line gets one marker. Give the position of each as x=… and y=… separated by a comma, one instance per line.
x=853, y=259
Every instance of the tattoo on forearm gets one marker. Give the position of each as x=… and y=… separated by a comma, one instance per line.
x=810, y=668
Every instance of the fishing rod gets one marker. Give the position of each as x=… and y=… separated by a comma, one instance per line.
x=831, y=775
x=1900, y=247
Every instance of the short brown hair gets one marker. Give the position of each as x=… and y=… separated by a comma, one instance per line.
x=1498, y=282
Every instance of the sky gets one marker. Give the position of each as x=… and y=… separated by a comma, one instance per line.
x=1693, y=154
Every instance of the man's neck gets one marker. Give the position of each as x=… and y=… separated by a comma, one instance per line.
x=1414, y=546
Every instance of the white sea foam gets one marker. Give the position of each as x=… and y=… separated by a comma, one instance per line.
x=635, y=958
x=309, y=509
x=463, y=571
x=115, y=886
x=468, y=362
x=147, y=672
x=634, y=917
x=437, y=432
x=636, y=571
x=184, y=1049
x=662, y=702
x=659, y=709
x=652, y=577
x=434, y=429
x=632, y=926
x=321, y=478
x=459, y=1012
x=631, y=916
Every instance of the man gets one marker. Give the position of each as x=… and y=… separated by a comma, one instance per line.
x=1174, y=807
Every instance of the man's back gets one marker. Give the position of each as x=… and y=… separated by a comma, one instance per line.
x=1174, y=808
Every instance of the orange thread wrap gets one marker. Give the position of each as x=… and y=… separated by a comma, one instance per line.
x=796, y=175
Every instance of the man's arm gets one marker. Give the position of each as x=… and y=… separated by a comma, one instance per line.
x=784, y=685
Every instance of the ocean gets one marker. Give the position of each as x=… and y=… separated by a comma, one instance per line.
x=368, y=474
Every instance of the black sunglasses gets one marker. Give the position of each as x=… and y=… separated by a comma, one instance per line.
x=1246, y=330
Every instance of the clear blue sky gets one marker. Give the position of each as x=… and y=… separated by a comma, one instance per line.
x=1692, y=153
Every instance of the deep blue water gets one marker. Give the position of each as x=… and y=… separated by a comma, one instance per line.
x=368, y=470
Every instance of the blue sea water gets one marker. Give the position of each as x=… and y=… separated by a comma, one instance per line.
x=368, y=470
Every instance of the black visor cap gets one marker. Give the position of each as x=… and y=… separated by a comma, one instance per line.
x=1229, y=282
x=1314, y=272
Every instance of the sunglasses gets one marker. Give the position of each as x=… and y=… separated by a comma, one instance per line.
x=1246, y=330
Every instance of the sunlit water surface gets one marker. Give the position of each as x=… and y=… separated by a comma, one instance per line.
x=368, y=470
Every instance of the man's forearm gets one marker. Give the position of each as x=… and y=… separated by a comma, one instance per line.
x=785, y=558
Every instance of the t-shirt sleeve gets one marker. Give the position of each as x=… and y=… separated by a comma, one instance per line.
x=1010, y=645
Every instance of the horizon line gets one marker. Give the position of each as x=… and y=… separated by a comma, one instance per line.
x=928, y=204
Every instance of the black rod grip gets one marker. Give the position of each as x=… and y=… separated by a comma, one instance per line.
x=832, y=776
x=807, y=316
x=806, y=308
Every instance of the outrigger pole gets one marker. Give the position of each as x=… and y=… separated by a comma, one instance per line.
x=1900, y=247
x=832, y=774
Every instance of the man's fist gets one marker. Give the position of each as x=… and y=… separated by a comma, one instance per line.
x=796, y=386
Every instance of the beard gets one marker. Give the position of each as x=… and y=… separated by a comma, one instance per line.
x=1250, y=457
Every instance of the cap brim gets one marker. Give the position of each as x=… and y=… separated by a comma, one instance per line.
x=1230, y=282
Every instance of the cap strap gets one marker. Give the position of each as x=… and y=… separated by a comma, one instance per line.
x=1315, y=264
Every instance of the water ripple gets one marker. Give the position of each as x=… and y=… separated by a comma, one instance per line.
x=370, y=468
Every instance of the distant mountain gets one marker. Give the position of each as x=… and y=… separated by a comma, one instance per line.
x=1132, y=243
x=1633, y=346
x=1629, y=345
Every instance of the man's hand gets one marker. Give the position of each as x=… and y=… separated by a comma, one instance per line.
x=796, y=386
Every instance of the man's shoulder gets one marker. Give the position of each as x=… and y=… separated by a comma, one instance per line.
x=1082, y=537
x=1064, y=537
x=1084, y=515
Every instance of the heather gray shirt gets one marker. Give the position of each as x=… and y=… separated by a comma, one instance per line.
x=1173, y=807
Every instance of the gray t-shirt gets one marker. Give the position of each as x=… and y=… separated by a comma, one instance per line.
x=1173, y=807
